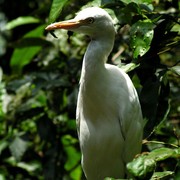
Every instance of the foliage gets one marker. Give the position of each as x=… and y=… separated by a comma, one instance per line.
x=144, y=166
x=39, y=83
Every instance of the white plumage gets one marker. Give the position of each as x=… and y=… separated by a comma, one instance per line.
x=109, y=118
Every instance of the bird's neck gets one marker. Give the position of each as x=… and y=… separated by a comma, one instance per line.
x=96, y=56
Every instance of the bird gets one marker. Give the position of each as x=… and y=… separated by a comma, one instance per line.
x=108, y=115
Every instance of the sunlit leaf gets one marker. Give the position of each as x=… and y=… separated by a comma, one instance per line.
x=137, y=1
x=141, y=37
x=22, y=56
x=18, y=147
x=30, y=166
x=141, y=166
x=162, y=175
x=176, y=28
x=76, y=173
x=72, y=154
x=21, y=21
x=73, y=157
x=146, y=163
x=175, y=69
x=68, y=140
x=56, y=9
x=129, y=67
x=2, y=176
x=164, y=153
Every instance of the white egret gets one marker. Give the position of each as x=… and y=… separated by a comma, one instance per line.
x=109, y=118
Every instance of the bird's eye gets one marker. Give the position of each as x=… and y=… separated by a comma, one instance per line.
x=90, y=20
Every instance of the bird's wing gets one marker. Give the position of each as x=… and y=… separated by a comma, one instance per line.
x=132, y=126
x=130, y=118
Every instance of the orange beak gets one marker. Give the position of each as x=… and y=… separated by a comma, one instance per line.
x=70, y=24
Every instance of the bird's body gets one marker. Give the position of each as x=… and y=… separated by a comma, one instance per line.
x=108, y=109
x=109, y=118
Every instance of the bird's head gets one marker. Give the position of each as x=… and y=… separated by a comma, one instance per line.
x=91, y=21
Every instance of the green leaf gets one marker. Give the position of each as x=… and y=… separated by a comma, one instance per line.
x=129, y=67
x=18, y=147
x=164, y=153
x=141, y=36
x=37, y=32
x=175, y=69
x=72, y=154
x=76, y=173
x=141, y=166
x=73, y=158
x=21, y=21
x=137, y=1
x=23, y=56
x=2, y=176
x=33, y=103
x=146, y=163
x=56, y=9
x=3, y=145
x=162, y=175
x=126, y=14
x=30, y=166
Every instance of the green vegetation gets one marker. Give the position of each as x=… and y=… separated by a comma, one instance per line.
x=39, y=77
